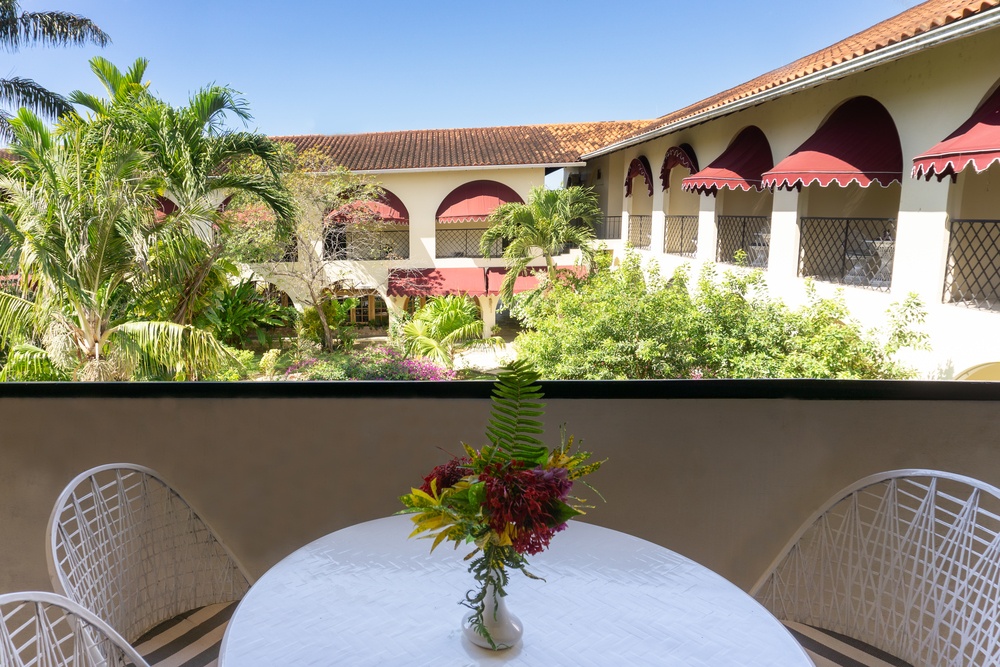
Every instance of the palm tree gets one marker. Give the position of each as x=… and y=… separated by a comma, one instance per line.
x=194, y=154
x=444, y=326
x=550, y=220
x=78, y=221
x=19, y=29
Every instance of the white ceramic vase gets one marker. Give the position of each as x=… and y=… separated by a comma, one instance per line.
x=504, y=627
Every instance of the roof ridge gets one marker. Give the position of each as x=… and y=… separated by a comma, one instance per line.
x=465, y=129
x=552, y=144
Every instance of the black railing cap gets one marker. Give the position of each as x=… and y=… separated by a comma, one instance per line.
x=828, y=390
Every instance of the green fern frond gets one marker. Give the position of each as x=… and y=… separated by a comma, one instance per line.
x=512, y=428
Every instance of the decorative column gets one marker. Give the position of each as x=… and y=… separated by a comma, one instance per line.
x=707, y=230
x=659, y=218
x=783, y=258
x=921, y=248
x=488, y=306
x=396, y=305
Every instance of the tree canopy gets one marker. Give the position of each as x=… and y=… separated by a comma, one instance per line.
x=108, y=223
x=49, y=28
x=550, y=221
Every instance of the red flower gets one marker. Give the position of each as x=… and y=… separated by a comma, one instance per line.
x=447, y=474
x=525, y=500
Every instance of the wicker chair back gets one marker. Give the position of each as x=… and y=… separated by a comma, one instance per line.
x=907, y=561
x=125, y=545
x=39, y=628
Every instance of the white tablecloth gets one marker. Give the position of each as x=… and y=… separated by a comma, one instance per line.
x=367, y=595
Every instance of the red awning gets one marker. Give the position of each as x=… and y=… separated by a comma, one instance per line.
x=858, y=143
x=527, y=280
x=475, y=201
x=387, y=208
x=639, y=167
x=738, y=168
x=677, y=156
x=437, y=282
x=976, y=142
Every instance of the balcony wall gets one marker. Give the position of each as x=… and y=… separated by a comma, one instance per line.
x=721, y=471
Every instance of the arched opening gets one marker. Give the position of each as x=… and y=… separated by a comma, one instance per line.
x=970, y=156
x=743, y=206
x=371, y=230
x=639, y=202
x=463, y=217
x=680, y=231
x=849, y=174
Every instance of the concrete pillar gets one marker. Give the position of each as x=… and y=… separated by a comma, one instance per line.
x=660, y=199
x=422, y=231
x=707, y=230
x=396, y=305
x=488, y=307
x=783, y=260
x=921, y=252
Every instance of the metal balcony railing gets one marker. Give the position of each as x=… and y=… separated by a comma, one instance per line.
x=609, y=229
x=972, y=277
x=746, y=234
x=464, y=243
x=680, y=235
x=640, y=231
x=339, y=243
x=848, y=251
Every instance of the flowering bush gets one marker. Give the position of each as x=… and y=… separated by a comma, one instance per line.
x=507, y=499
x=386, y=363
x=301, y=365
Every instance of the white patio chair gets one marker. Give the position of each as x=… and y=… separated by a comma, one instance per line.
x=44, y=629
x=902, y=567
x=125, y=545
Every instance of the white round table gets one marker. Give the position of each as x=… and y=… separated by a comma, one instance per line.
x=367, y=595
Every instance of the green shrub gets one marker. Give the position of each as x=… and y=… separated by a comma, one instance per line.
x=633, y=324
x=243, y=311
x=269, y=362
x=338, y=314
x=239, y=367
x=330, y=369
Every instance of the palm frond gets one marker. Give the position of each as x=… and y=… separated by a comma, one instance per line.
x=512, y=427
x=20, y=92
x=47, y=28
x=88, y=101
x=181, y=348
x=16, y=316
x=30, y=363
x=420, y=343
x=208, y=106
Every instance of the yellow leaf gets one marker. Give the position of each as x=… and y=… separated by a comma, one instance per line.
x=417, y=493
x=504, y=538
x=439, y=539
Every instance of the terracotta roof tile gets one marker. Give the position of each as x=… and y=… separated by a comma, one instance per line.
x=906, y=25
x=467, y=147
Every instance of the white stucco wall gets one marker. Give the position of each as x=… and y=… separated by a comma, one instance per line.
x=421, y=193
x=929, y=94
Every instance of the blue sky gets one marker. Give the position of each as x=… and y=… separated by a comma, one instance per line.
x=342, y=67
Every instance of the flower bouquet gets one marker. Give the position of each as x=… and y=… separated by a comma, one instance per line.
x=508, y=499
